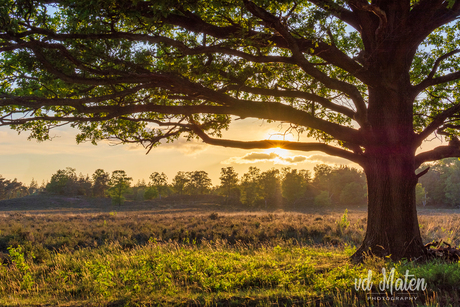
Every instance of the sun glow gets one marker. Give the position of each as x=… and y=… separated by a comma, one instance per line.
x=281, y=152
x=278, y=151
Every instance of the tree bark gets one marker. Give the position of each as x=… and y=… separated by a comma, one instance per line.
x=392, y=224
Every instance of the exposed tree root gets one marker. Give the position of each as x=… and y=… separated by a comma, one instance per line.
x=443, y=251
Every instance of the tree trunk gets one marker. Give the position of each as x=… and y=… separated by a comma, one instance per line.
x=392, y=224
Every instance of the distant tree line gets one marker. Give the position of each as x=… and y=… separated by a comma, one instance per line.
x=274, y=188
x=13, y=189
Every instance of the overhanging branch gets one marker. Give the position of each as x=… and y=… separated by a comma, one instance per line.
x=297, y=94
x=265, y=144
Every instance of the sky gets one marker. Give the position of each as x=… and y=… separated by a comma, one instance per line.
x=24, y=159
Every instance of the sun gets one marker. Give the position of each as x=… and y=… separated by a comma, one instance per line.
x=273, y=135
x=278, y=151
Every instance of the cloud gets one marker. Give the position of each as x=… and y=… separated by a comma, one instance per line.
x=254, y=156
x=191, y=147
x=327, y=159
x=258, y=157
x=296, y=159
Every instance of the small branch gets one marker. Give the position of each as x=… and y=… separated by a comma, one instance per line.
x=423, y=172
x=438, y=62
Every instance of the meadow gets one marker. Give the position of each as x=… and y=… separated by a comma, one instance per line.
x=86, y=252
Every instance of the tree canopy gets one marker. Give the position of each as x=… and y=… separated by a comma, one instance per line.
x=143, y=71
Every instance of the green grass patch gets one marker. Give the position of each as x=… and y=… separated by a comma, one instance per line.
x=211, y=274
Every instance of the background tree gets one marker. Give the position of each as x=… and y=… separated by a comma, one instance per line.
x=160, y=182
x=198, y=183
x=270, y=183
x=229, y=181
x=344, y=185
x=33, y=186
x=420, y=195
x=12, y=188
x=353, y=194
x=371, y=82
x=100, y=182
x=251, y=190
x=179, y=182
x=294, y=184
x=323, y=199
x=119, y=184
x=151, y=192
x=442, y=183
x=84, y=185
x=63, y=182
x=322, y=179
x=434, y=184
x=139, y=190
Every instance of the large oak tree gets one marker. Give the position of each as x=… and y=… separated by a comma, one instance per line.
x=370, y=80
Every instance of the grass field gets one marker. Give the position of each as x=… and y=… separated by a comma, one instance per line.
x=86, y=252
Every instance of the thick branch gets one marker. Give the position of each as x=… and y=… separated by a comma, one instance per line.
x=439, y=60
x=338, y=11
x=439, y=80
x=141, y=38
x=432, y=14
x=323, y=50
x=281, y=112
x=241, y=108
x=265, y=144
x=436, y=123
x=297, y=94
x=437, y=153
x=275, y=23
